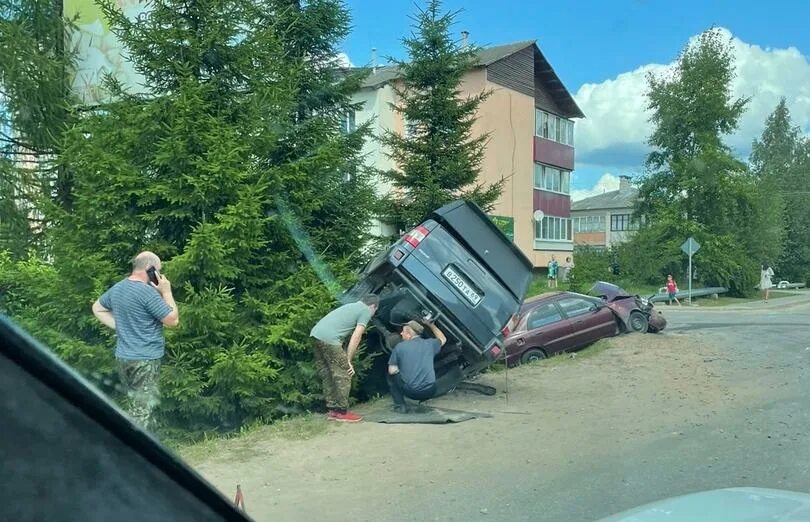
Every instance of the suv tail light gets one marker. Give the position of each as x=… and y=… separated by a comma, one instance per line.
x=509, y=326
x=416, y=236
x=495, y=350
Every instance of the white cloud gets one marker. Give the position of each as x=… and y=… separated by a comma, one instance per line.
x=606, y=183
x=614, y=133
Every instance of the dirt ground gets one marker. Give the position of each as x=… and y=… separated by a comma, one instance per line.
x=545, y=418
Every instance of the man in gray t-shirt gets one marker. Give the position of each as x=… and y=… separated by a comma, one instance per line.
x=410, y=367
x=138, y=309
x=335, y=365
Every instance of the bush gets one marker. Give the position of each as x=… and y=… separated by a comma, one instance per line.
x=590, y=265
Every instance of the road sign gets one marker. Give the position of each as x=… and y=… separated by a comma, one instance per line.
x=539, y=215
x=690, y=246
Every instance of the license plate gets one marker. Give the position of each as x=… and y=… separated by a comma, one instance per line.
x=462, y=286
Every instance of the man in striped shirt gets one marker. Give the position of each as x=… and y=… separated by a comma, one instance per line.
x=137, y=309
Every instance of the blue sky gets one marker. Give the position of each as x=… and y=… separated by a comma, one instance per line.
x=601, y=51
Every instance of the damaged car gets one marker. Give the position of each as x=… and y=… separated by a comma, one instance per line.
x=558, y=322
x=458, y=270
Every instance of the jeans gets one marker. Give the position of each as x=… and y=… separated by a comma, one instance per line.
x=400, y=390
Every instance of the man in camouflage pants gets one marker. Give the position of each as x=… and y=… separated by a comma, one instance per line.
x=333, y=362
x=137, y=309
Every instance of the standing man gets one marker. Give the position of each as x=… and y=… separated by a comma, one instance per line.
x=138, y=309
x=335, y=364
x=410, y=368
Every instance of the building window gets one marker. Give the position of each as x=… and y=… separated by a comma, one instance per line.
x=554, y=128
x=589, y=224
x=552, y=228
x=552, y=179
x=622, y=222
x=347, y=123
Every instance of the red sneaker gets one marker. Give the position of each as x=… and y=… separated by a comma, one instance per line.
x=343, y=417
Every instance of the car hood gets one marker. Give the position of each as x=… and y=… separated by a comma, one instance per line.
x=728, y=505
x=609, y=291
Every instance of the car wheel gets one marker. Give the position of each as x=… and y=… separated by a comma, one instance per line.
x=532, y=355
x=638, y=322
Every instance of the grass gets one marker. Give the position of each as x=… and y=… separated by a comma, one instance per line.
x=539, y=285
x=301, y=427
x=726, y=301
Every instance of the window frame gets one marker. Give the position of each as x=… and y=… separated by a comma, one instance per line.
x=579, y=312
x=553, y=127
x=553, y=306
x=558, y=229
x=541, y=182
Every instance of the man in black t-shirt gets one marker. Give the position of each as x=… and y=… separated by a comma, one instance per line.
x=410, y=367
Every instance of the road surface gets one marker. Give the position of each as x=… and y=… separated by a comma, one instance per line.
x=719, y=400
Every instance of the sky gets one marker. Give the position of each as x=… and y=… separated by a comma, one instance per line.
x=602, y=51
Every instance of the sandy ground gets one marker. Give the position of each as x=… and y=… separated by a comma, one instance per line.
x=548, y=419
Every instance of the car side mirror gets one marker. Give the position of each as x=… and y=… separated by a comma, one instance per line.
x=595, y=307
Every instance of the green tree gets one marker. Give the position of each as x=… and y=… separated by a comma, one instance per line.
x=233, y=168
x=35, y=109
x=694, y=184
x=438, y=159
x=779, y=158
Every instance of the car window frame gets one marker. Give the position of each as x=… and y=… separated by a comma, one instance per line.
x=533, y=311
x=590, y=308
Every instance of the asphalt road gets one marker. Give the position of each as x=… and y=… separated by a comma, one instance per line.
x=765, y=443
x=719, y=400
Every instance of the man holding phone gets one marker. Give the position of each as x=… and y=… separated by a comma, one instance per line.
x=138, y=308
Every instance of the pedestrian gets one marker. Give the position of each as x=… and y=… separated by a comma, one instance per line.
x=138, y=308
x=410, y=367
x=553, y=266
x=765, y=282
x=672, y=290
x=333, y=362
x=567, y=267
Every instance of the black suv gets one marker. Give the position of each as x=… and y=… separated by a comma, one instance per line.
x=458, y=269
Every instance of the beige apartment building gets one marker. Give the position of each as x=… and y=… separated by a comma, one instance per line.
x=530, y=119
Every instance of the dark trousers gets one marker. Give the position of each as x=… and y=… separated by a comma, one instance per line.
x=400, y=390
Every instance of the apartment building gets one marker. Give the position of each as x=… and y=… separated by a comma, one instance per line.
x=605, y=219
x=530, y=119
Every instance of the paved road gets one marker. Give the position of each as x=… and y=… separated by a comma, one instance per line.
x=765, y=444
x=719, y=400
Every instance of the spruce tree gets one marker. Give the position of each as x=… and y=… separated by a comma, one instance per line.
x=35, y=109
x=439, y=158
x=230, y=164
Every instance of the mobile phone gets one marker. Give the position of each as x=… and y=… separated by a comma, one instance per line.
x=151, y=272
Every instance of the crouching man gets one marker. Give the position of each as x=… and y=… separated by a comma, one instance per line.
x=410, y=367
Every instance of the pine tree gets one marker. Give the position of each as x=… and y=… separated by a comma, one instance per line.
x=230, y=164
x=439, y=158
x=35, y=109
x=779, y=158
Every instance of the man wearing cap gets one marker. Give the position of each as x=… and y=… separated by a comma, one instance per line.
x=410, y=367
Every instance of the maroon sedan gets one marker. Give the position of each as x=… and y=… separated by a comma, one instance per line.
x=559, y=322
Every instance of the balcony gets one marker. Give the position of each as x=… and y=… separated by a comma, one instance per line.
x=553, y=153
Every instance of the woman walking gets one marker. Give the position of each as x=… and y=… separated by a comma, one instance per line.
x=672, y=290
x=765, y=283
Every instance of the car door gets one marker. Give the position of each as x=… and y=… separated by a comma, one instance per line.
x=546, y=328
x=590, y=321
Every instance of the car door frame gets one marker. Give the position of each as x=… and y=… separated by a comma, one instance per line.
x=590, y=326
x=551, y=345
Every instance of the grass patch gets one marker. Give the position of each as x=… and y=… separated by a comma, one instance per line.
x=241, y=443
x=729, y=301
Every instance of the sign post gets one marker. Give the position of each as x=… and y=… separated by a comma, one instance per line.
x=689, y=247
